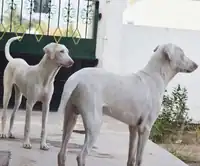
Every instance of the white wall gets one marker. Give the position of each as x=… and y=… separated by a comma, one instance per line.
x=127, y=48
x=181, y=14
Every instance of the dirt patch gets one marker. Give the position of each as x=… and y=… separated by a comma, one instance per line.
x=190, y=154
x=193, y=164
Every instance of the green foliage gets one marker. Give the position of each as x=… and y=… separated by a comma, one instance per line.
x=174, y=115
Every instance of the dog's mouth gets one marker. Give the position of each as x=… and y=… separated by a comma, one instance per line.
x=187, y=71
x=66, y=65
x=191, y=69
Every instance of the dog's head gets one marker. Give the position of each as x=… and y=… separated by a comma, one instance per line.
x=59, y=54
x=176, y=58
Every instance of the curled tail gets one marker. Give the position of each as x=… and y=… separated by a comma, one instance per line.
x=7, y=47
x=68, y=89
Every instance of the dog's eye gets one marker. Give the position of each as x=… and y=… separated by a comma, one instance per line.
x=61, y=51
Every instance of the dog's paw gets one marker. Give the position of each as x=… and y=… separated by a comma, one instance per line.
x=11, y=136
x=27, y=146
x=44, y=146
x=2, y=136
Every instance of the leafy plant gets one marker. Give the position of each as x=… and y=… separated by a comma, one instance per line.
x=173, y=118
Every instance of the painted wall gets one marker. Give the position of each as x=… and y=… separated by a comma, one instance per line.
x=125, y=48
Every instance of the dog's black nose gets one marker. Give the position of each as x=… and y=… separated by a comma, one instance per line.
x=195, y=66
x=70, y=63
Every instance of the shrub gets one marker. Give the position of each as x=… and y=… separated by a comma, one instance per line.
x=173, y=117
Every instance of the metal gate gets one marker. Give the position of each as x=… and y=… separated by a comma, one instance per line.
x=69, y=22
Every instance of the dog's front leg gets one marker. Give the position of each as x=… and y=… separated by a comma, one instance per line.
x=45, y=112
x=133, y=135
x=29, y=107
x=143, y=135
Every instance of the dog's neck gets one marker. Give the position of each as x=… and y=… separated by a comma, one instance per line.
x=160, y=68
x=48, y=70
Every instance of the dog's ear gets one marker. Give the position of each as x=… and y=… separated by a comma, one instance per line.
x=49, y=50
x=168, y=50
x=155, y=49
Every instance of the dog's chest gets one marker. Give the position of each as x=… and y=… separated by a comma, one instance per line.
x=44, y=93
x=44, y=96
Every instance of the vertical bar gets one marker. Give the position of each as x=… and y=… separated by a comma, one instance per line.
x=68, y=16
x=30, y=17
x=87, y=14
x=96, y=19
x=95, y=26
x=11, y=14
x=21, y=12
x=2, y=5
x=77, y=18
x=49, y=16
x=40, y=15
x=58, y=25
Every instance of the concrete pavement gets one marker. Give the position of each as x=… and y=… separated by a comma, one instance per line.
x=110, y=149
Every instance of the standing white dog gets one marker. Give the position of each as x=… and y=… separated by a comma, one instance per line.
x=133, y=99
x=36, y=83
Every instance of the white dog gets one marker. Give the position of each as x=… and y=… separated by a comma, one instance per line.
x=36, y=83
x=133, y=99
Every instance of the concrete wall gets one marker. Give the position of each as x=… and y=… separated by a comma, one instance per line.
x=125, y=48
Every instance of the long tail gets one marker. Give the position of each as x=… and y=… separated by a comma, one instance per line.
x=69, y=87
x=7, y=47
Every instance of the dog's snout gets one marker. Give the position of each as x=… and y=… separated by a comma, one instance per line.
x=195, y=66
x=70, y=63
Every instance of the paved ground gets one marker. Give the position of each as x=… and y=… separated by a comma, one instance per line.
x=110, y=149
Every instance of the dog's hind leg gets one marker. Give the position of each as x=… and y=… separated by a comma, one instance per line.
x=92, y=121
x=18, y=99
x=6, y=97
x=70, y=119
